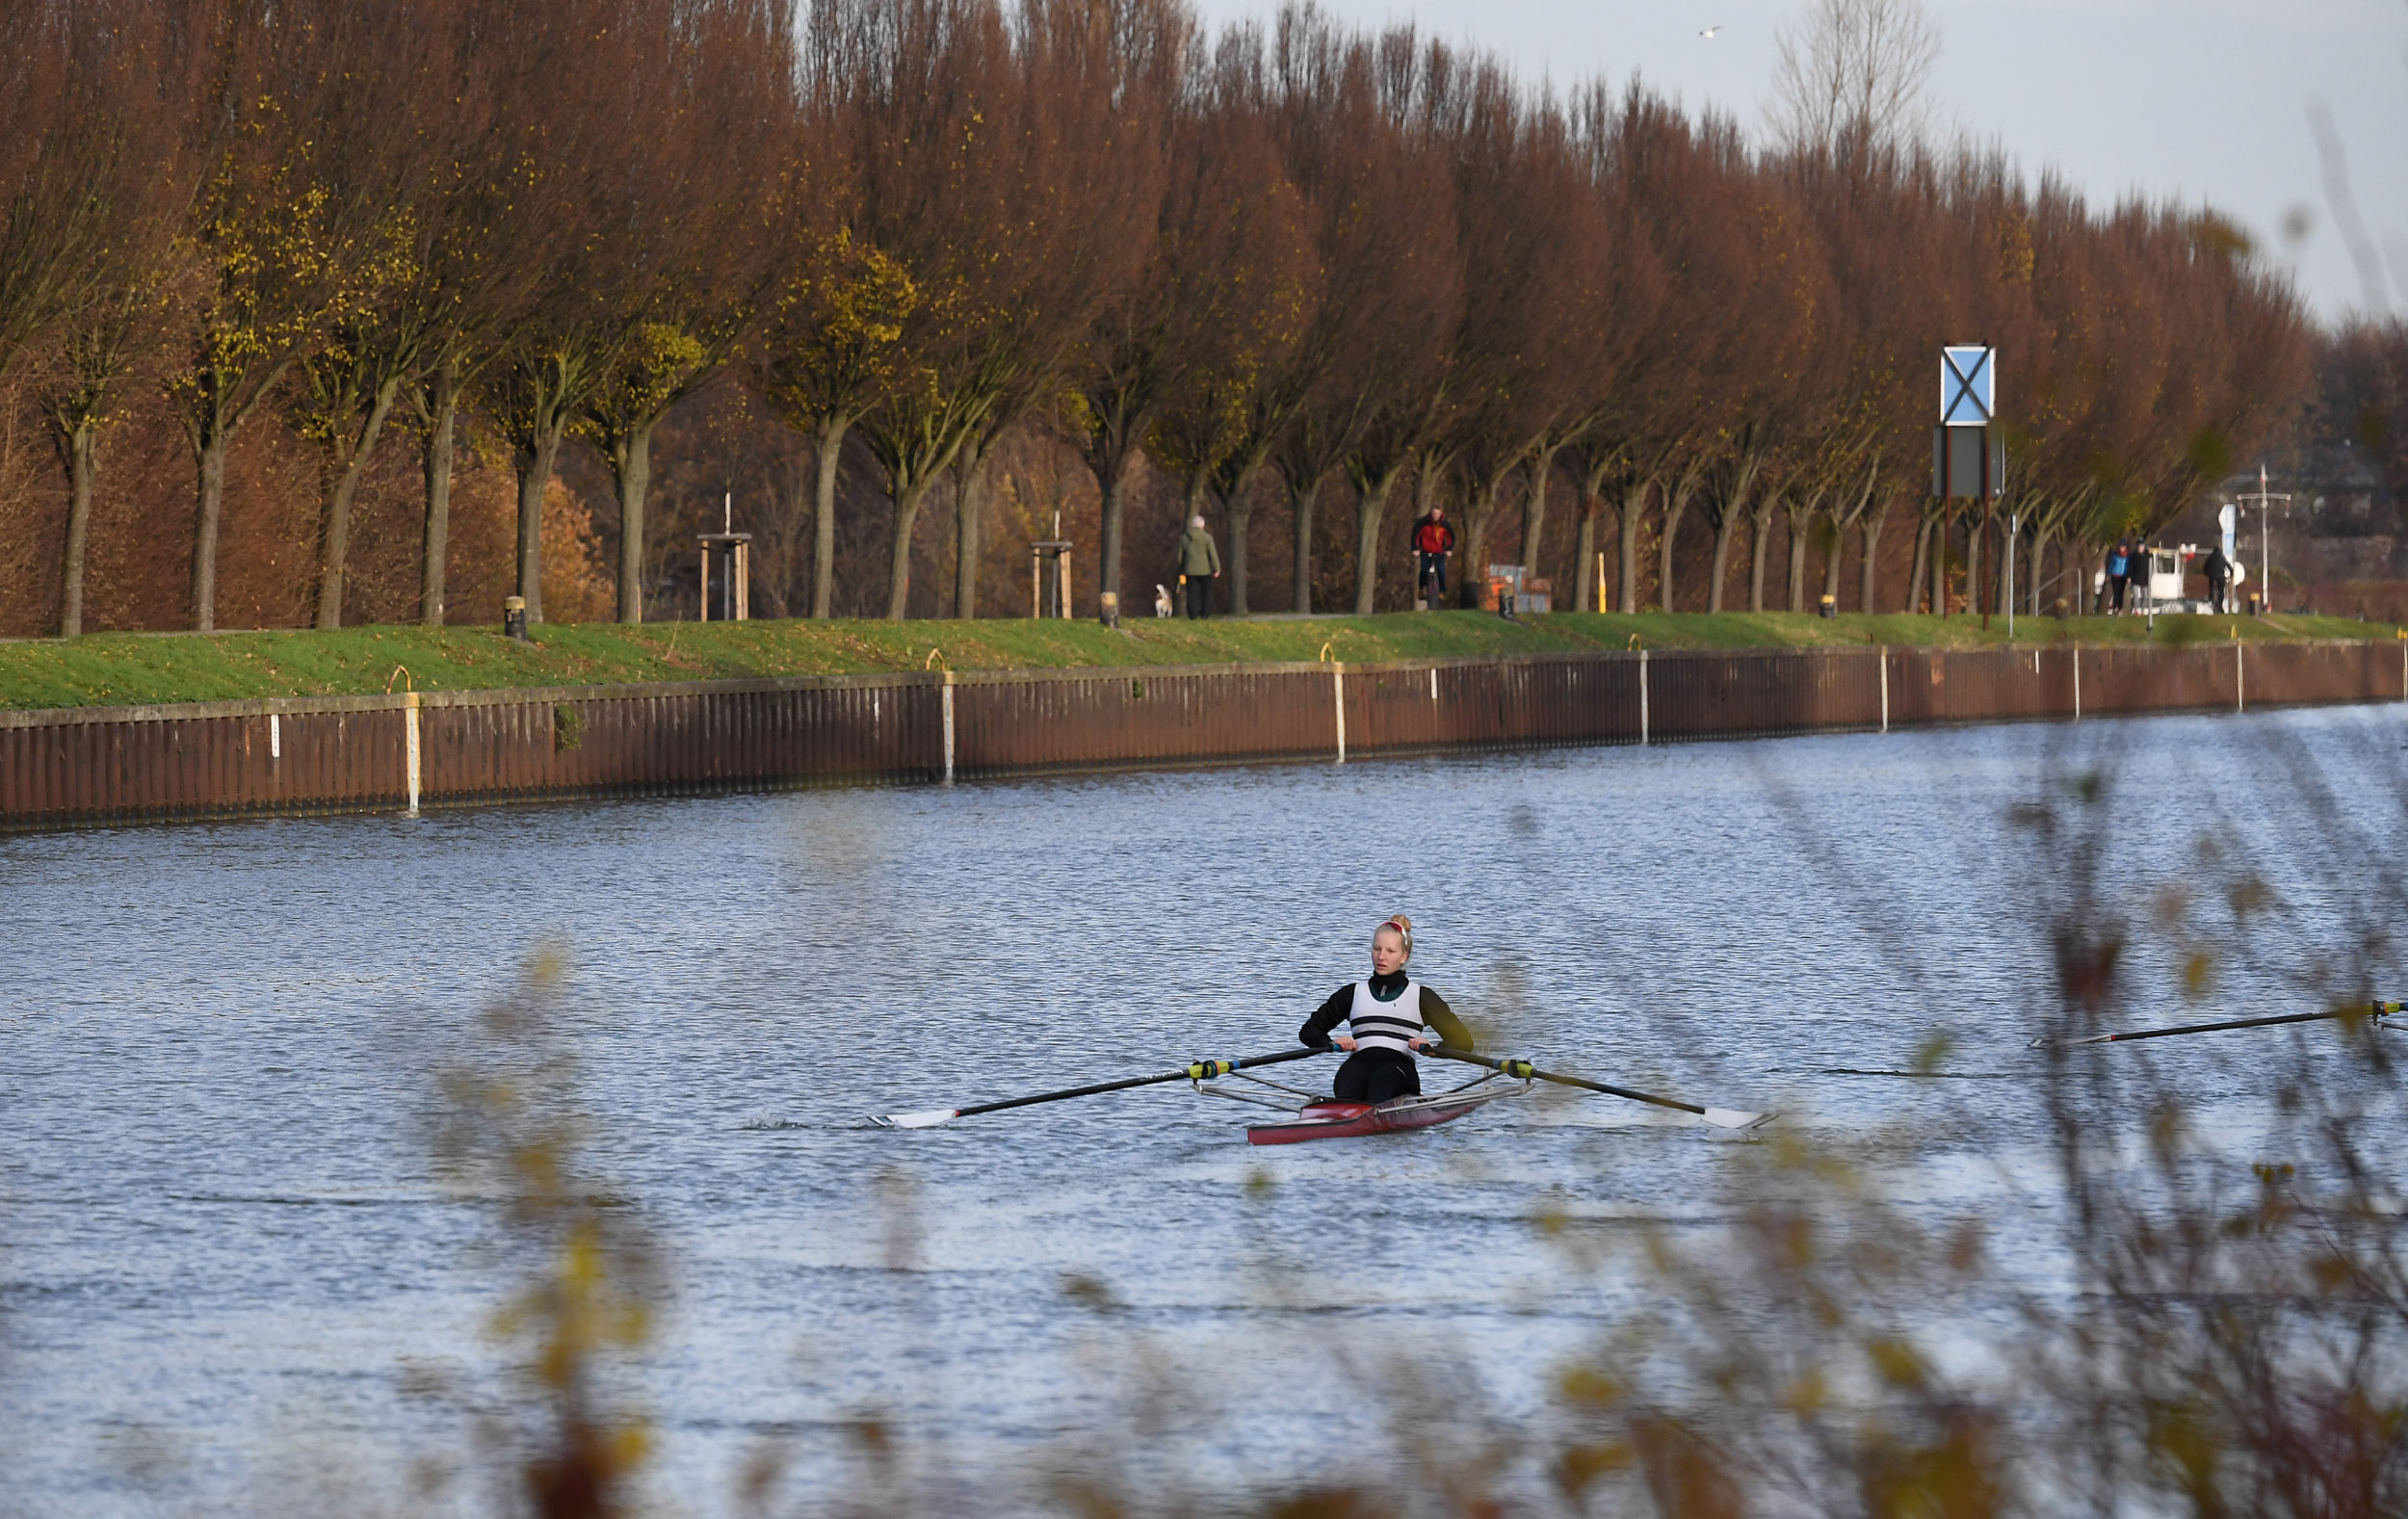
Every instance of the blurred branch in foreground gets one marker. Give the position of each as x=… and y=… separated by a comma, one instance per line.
x=583, y=1274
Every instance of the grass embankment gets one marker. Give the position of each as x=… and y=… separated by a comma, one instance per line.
x=131, y=668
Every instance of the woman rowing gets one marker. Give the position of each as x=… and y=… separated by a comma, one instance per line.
x=1385, y=1016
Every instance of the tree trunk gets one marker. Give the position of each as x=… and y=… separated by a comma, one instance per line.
x=437, y=461
x=1916, y=579
x=966, y=507
x=1831, y=568
x=1940, y=564
x=212, y=462
x=1672, y=515
x=535, y=473
x=1869, y=574
x=334, y=541
x=899, y=565
x=1723, y=531
x=1759, y=549
x=1534, y=510
x=1798, y=560
x=1370, y=506
x=1240, y=509
x=2039, y=568
x=831, y=454
x=1632, y=513
x=631, y=468
x=1301, y=499
x=1477, y=518
x=1586, y=575
x=1115, y=504
x=1977, y=546
x=82, y=447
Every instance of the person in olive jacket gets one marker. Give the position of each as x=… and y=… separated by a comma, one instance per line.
x=1198, y=566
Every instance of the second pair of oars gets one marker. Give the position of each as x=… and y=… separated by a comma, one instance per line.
x=2375, y=1011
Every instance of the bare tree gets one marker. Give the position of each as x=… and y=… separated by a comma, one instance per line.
x=589, y=78
x=698, y=276
x=289, y=237
x=1854, y=73
x=122, y=141
x=1239, y=236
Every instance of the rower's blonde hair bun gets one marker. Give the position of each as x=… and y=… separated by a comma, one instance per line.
x=1404, y=931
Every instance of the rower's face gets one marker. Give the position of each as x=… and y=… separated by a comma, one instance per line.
x=1387, y=952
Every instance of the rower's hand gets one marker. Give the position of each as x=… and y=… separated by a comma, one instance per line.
x=1343, y=1042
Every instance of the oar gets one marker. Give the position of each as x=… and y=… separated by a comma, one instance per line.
x=1719, y=1118
x=2374, y=1009
x=1199, y=1070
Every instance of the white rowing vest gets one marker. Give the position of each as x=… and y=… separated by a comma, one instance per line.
x=1378, y=1025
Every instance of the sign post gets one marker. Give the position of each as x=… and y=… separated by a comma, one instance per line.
x=1968, y=450
x=2264, y=501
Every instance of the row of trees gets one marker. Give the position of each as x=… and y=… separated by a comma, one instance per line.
x=1369, y=270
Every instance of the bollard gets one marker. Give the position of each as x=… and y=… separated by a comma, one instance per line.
x=1829, y=606
x=1110, y=609
x=515, y=618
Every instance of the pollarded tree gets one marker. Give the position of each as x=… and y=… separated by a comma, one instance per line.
x=379, y=344
x=990, y=171
x=121, y=139
x=285, y=241
x=1246, y=290
x=698, y=273
x=827, y=344
x=1371, y=364
x=583, y=110
x=1532, y=248
x=825, y=356
x=1138, y=354
x=1100, y=84
x=485, y=226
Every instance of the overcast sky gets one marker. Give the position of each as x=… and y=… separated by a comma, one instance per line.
x=2209, y=100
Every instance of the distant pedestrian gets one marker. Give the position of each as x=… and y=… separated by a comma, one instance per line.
x=2119, y=574
x=1199, y=566
x=2219, y=573
x=1433, y=539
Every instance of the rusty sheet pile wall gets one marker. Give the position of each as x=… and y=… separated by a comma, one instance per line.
x=354, y=753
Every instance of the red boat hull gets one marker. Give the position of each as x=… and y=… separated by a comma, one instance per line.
x=1352, y=1120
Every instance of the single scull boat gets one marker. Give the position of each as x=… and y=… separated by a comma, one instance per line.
x=1322, y=1117
x=1310, y=1115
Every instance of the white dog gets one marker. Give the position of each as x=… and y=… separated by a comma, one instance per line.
x=1161, y=601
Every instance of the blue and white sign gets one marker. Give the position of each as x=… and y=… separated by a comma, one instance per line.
x=1967, y=386
x=2227, y=518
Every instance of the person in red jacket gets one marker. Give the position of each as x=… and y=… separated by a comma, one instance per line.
x=1433, y=539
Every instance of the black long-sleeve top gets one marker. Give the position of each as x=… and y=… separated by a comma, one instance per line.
x=1341, y=1006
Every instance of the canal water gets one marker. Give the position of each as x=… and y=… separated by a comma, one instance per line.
x=232, y=1275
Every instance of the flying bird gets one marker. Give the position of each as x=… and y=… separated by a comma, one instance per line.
x=1709, y=32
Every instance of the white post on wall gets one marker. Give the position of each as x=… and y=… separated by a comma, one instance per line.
x=1885, y=687
x=2014, y=520
x=1338, y=699
x=1642, y=698
x=949, y=727
x=409, y=715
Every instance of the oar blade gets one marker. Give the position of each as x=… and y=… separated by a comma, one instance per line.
x=915, y=1120
x=1727, y=1118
